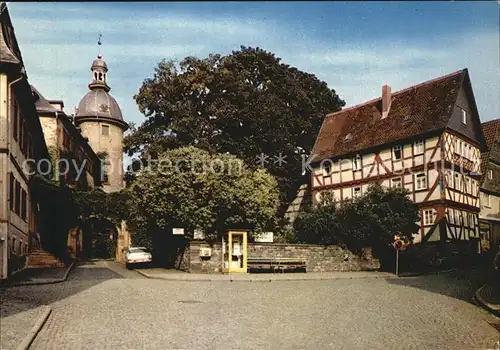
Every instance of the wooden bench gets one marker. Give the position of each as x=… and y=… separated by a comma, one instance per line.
x=276, y=264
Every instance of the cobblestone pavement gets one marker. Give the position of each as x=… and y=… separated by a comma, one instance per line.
x=16, y=319
x=104, y=306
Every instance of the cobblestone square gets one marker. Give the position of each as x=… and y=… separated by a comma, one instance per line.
x=104, y=306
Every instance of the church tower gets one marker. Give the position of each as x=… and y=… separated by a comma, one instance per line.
x=100, y=120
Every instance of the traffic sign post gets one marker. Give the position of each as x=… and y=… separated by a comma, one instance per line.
x=398, y=245
x=397, y=262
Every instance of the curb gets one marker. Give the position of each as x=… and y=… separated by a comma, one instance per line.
x=53, y=281
x=490, y=307
x=25, y=344
x=208, y=279
x=417, y=274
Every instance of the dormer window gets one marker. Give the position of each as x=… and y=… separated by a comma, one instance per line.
x=356, y=163
x=348, y=137
x=490, y=174
x=463, y=115
x=327, y=169
x=397, y=152
x=418, y=147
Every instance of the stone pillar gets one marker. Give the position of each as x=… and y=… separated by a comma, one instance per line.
x=123, y=242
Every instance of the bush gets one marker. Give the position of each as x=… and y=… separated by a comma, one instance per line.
x=371, y=220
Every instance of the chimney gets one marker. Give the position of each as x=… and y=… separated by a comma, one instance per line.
x=386, y=100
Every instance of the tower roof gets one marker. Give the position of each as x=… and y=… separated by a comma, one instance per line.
x=98, y=104
x=99, y=63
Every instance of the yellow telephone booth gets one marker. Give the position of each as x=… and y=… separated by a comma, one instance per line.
x=234, y=250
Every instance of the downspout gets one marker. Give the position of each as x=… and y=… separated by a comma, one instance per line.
x=9, y=122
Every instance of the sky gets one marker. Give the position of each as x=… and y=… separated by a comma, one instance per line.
x=356, y=47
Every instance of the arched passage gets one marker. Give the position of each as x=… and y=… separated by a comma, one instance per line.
x=100, y=238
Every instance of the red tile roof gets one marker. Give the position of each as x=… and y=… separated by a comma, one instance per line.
x=491, y=130
x=417, y=110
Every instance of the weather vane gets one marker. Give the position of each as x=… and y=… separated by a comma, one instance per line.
x=99, y=42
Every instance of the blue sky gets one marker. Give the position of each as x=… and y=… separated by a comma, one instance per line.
x=356, y=47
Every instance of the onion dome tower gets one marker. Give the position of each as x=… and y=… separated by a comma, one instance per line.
x=100, y=120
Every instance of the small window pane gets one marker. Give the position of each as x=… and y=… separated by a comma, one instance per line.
x=418, y=147
x=397, y=152
x=105, y=130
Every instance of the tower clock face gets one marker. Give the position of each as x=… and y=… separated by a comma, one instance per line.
x=104, y=108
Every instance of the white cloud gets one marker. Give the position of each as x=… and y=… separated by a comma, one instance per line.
x=58, y=54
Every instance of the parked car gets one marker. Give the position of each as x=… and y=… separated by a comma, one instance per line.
x=137, y=255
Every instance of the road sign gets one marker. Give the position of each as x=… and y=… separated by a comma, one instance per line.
x=398, y=244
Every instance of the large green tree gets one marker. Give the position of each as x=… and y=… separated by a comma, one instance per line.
x=246, y=103
x=194, y=189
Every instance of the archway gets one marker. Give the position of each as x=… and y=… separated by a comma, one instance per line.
x=100, y=237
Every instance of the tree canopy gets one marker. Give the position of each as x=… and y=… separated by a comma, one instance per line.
x=193, y=189
x=246, y=103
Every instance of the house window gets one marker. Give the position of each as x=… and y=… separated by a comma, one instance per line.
x=23, y=141
x=490, y=174
x=418, y=147
x=450, y=216
x=12, y=191
x=420, y=181
x=467, y=185
x=356, y=163
x=465, y=150
x=397, y=152
x=457, y=182
x=396, y=183
x=487, y=200
x=17, y=207
x=24, y=202
x=15, y=120
x=356, y=192
x=327, y=169
x=105, y=130
x=463, y=116
x=428, y=217
x=471, y=153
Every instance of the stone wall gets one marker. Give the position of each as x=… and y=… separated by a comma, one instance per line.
x=198, y=264
x=319, y=258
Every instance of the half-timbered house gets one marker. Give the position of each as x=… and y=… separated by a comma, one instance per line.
x=490, y=187
x=426, y=138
